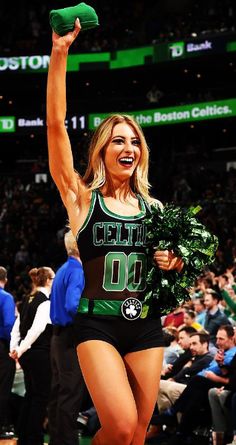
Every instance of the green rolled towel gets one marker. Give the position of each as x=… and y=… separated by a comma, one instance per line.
x=63, y=20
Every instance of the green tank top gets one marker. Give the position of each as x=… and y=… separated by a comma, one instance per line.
x=112, y=250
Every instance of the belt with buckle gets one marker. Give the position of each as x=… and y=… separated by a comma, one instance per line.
x=130, y=309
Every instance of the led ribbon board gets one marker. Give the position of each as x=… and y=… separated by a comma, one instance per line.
x=128, y=58
x=177, y=115
x=183, y=114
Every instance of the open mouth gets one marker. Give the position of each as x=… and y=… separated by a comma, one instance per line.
x=127, y=161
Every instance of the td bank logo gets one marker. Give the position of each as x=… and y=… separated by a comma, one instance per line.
x=7, y=124
x=176, y=49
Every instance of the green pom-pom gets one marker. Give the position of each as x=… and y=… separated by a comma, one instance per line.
x=173, y=228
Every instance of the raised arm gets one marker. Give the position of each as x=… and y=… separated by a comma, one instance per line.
x=59, y=148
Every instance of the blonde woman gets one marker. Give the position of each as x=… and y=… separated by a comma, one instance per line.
x=120, y=344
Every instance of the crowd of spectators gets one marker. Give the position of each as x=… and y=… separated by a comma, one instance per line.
x=122, y=25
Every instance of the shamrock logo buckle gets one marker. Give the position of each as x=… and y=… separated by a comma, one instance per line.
x=131, y=308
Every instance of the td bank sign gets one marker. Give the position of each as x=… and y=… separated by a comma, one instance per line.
x=7, y=124
x=180, y=49
x=176, y=50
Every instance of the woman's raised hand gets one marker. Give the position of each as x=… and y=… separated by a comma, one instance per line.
x=64, y=42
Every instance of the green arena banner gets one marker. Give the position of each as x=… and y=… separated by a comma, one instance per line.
x=128, y=58
x=7, y=124
x=177, y=114
x=81, y=62
x=146, y=118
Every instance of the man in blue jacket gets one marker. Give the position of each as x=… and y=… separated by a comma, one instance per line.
x=68, y=387
x=7, y=365
x=214, y=316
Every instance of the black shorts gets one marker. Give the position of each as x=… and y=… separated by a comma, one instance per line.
x=126, y=336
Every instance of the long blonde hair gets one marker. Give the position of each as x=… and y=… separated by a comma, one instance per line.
x=96, y=174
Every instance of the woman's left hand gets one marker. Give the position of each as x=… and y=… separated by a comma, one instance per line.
x=167, y=260
x=13, y=354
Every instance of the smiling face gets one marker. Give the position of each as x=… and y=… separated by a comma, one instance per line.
x=123, y=152
x=134, y=176
x=210, y=302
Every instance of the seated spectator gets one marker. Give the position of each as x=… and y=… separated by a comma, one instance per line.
x=199, y=308
x=223, y=403
x=229, y=299
x=214, y=316
x=171, y=389
x=172, y=349
x=184, y=342
x=195, y=396
x=227, y=290
x=190, y=320
x=226, y=281
x=200, y=358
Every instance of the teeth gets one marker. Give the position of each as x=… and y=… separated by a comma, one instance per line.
x=129, y=160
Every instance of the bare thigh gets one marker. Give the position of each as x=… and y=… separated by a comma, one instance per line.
x=144, y=369
x=106, y=378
